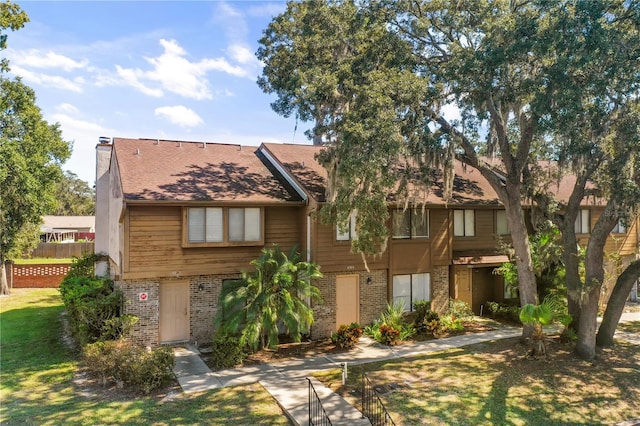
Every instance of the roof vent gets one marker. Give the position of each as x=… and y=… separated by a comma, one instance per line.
x=179, y=144
x=303, y=166
x=157, y=142
x=104, y=140
x=137, y=151
x=204, y=144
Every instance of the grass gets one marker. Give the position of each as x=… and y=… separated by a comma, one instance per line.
x=37, y=380
x=41, y=261
x=496, y=384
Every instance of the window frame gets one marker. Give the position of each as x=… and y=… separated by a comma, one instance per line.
x=619, y=229
x=466, y=232
x=350, y=233
x=411, y=288
x=226, y=242
x=578, y=226
x=410, y=213
x=499, y=215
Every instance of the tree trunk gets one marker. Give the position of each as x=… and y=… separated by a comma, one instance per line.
x=615, y=306
x=572, y=273
x=526, y=275
x=4, y=282
x=594, y=268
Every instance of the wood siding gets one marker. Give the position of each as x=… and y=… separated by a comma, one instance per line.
x=622, y=244
x=154, y=244
x=485, y=235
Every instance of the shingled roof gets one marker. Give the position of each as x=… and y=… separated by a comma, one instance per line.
x=164, y=170
x=299, y=160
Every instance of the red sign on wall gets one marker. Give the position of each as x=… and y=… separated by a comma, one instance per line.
x=143, y=296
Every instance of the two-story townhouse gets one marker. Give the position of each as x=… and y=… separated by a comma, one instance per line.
x=179, y=218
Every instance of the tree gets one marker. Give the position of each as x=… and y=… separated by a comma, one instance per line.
x=31, y=151
x=73, y=197
x=386, y=82
x=278, y=291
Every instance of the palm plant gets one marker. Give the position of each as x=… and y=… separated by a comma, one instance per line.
x=543, y=314
x=278, y=291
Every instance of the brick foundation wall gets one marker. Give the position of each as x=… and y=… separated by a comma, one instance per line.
x=38, y=276
x=204, y=291
x=440, y=289
x=373, y=300
x=146, y=330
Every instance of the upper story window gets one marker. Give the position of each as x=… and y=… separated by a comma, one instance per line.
x=583, y=222
x=219, y=226
x=410, y=223
x=464, y=223
x=619, y=228
x=348, y=233
x=502, y=225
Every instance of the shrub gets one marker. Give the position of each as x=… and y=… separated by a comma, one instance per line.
x=451, y=323
x=347, y=335
x=130, y=364
x=501, y=311
x=389, y=335
x=227, y=350
x=421, y=308
x=393, y=319
x=432, y=322
x=460, y=309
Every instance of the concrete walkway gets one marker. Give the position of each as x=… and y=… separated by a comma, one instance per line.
x=286, y=381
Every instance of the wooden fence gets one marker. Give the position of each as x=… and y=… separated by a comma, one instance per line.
x=62, y=251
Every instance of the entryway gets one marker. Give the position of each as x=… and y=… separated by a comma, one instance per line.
x=174, y=311
x=347, y=299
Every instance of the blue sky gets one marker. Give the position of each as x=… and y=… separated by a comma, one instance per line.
x=174, y=70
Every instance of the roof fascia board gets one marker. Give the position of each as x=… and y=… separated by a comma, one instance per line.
x=211, y=203
x=290, y=179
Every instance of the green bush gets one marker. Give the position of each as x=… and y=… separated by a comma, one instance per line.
x=227, y=350
x=347, y=336
x=451, y=323
x=460, y=309
x=93, y=304
x=505, y=312
x=432, y=322
x=420, y=307
x=129, y=364
x=392, y=319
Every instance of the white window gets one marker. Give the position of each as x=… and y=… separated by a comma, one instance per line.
x=502, y=226
x=583, y=222
x=244, y=224
x=619, y=228
x=223, y=226
x=464, y=223
x=205, y=225
x=410, y=288
x=348, y=233
x=410, y=223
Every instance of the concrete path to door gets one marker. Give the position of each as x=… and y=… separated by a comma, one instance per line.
x=286, y=381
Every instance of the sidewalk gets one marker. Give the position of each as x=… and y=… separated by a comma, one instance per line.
x=286, y=381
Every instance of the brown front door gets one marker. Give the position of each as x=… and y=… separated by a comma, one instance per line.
x=463, y=284
x=174, y=311
x=347, y=299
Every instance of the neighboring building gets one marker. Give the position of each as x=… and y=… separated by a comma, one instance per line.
x=178, y=218
x=67, y=229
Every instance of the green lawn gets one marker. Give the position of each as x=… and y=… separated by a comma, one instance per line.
x=37, y=371
x=495, y=384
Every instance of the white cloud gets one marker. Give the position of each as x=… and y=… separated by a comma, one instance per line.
x=67, y=108
x=132, y=77
x=180, y=115
x=266, y=9
x=55, y=81
x=173, y=72
x=37, y=59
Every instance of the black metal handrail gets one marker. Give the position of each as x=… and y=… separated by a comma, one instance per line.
x=317, y=415
x=372, y=406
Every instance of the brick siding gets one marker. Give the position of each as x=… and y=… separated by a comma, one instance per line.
x=440, y=289
x=38, y=276
x=373, y=300
x=204, y=291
